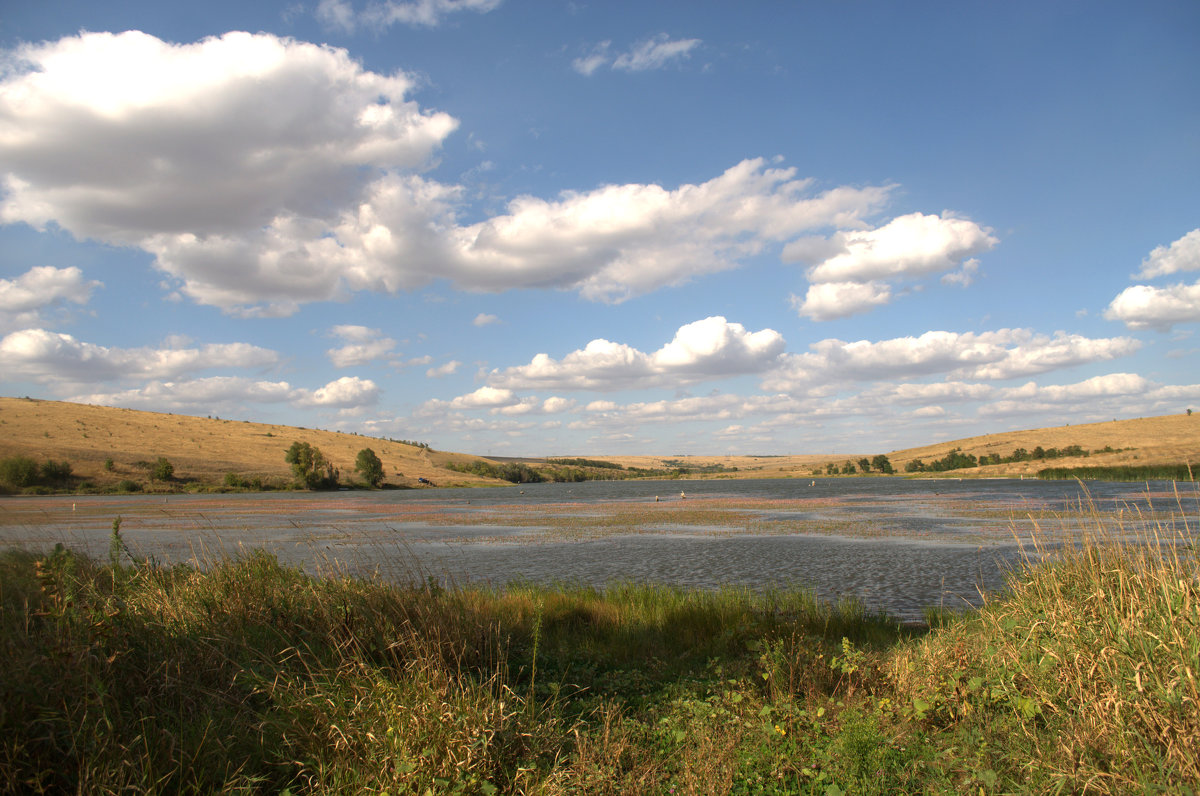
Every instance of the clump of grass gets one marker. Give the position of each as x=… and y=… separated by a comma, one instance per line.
x=1084, y=676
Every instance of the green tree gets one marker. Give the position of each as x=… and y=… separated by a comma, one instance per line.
x=57, y=472
x=882, y=464
x=310, y=466
x=162, y=470
x=369, y=467
x=19, y=471
x=848, y=468
x=864, y=464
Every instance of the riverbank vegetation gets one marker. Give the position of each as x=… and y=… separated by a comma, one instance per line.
x=1153, y=472
x=248, y=676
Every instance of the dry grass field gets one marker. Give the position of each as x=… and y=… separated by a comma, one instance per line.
x=203, y=450
x=1172, y=439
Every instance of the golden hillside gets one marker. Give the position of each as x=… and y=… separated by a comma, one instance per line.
x=1172, y=439
x=201, y=449
x=204, y=450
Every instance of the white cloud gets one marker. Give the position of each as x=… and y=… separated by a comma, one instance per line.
x=484, y=319
x=829, y=300
x=23, y=299
x=51, y=357
x=196, y=395
x=43, y=285
x=345, y=393
x=707, y=349
x=998, y=355
x=851, y=269
x=377, y=15
x=1148, y=307
x=653, y=53
x=484, y=398
x=1181, y=255
x=363, y=345
x=443, y=370
x=225, y=393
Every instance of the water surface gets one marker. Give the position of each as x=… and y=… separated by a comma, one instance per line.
x=898, y=545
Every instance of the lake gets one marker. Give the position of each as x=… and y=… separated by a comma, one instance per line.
x=898, y=545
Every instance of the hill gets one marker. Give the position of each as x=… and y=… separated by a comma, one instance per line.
x=1172, y=439
x=201, y=449
x=204, y=450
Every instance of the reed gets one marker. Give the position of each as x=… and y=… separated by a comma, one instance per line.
x=248, y=676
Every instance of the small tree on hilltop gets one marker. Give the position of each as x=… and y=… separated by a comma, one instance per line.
x=369, y=467
x=882, y=464
x=310, y=466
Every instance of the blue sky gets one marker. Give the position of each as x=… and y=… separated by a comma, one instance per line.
x=610, y=228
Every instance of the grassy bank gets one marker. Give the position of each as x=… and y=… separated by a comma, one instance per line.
x=250, y=676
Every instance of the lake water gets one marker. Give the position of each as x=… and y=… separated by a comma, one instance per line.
x=898, y=545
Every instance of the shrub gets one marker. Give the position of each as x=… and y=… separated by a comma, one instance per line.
x=162, y=470
x=56, y=471
x=19, y=471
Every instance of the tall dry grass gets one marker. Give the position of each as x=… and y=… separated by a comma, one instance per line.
x=1088, y=665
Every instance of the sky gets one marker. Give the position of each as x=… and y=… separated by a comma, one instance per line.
x=569, y=228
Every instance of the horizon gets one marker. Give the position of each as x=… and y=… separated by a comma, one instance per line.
x=615, y=230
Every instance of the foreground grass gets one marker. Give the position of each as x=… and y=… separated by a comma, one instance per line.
x=253, y=677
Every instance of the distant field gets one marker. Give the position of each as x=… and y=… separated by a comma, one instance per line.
x=204, y=450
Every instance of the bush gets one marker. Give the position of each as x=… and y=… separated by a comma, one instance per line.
x=129, y=486
x=56, y=471
x=234, y=480
x=19, y=471
x=162, y=470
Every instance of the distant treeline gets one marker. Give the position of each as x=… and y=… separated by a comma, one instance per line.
x=576, y=470
x=1146, y=472
x=957, y=460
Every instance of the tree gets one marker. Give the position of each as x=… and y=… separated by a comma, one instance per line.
x=369, y=467
x=162, y=470
x=57, y=472
x=310, y=466
x=19, y=471
x=864, y=464
x=848, y=468
x=882, y=464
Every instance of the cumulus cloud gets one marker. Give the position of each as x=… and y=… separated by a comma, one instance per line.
x=653, y=53
x=348, y=392
x=225, y=392
x=484, y=319
x=51, y=357
x=1181, y=255
x=363, y=345
x=830, y=300
x=998, y=355
x=24, y=298
x=263, y=173
x=340, y=14
x=850, y=271
x=1160, y=308
x=707, y=349
x=444, y=370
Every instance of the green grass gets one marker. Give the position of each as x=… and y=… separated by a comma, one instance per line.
x=1149, y=472
x=248, y=676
